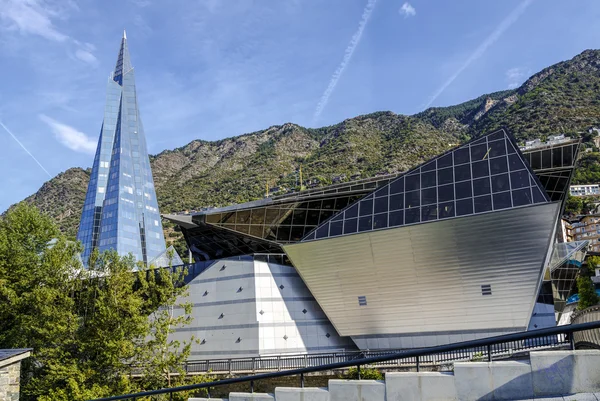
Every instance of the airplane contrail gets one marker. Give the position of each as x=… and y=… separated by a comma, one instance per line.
x=24, y=148
x=347, y=56
x=493, y=37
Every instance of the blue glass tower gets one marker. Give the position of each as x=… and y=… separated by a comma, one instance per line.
x=120, y=210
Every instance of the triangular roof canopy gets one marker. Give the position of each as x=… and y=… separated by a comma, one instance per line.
x=484, y=175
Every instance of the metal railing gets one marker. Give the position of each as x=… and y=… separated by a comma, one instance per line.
x=483, y=349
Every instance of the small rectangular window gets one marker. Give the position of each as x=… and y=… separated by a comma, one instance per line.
x=362, y=300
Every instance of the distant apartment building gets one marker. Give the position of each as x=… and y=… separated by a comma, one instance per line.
x=552, y=140
x=584, y=190
x=583, y=228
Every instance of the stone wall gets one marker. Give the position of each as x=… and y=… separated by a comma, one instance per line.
x=9, y=382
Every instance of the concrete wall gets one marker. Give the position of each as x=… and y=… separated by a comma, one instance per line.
x=244, y=307
x=548, y=373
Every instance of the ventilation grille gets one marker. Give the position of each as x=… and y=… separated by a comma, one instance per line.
x=362, y=300
x=486, y=289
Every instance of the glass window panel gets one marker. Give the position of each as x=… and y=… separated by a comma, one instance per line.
x=258, y=230
x=509, y=146
x=497, y=148
x=446, y=210
x=328, y=203
x=380, y=220
x=445, y=193
x=568, y=155
x=323, y=231
x=481, y=186
x=502, y=200
x=299, y=217
x=478, y=152
x=522, y=197
x=429, y=166
x=312, y=217
x=536, y=160
x=338, y=217
x=462, y=172
x=325, y=214
x=496, y=135
x=428, y=196
x=463, y=190
x=229, y=218
x=242, y=217
x=366, y=207
x=428, y=179
x=352, y=211
x=316, y=204
x=445, y=176
x=335, y=228
x=519, y=179
x=413, y=182
x=365, y=223
x=500, y=183
x=483, y=203
x=461, y=156
x=341, y=203
x=464, y=207
x=514, y=162
x=397, y=202
x=350, y=226
x=213, y=218
x=243, y=228
x=397, y=187
x=396, y=218
x=382, y=191
x=298, y=233
x=498, y=165
x=546, y=159
x=381, y=204
x=537, y=195
x=445, y=161
x=412, y=215
x=481, y=169
x=479, y=141
x=557, y=157
x=429, y=213
x=412, y=199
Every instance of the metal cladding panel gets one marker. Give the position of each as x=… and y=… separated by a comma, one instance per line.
x=429, y=277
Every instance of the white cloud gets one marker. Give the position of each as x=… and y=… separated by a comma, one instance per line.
x=407, y=10
x=481, y=49
x=70, y=137
x=347, y=56
x=86, y=56
x=31, y=17
x=515, y=76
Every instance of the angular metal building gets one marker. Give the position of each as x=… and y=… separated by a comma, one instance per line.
x=458, y=248
x=120, y=210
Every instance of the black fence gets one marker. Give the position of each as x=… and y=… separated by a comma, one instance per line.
x=485, y=349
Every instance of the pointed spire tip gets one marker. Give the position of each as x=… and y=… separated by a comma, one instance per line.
x=124, y=34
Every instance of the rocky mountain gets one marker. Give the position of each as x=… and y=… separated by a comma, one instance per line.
x=563, y=98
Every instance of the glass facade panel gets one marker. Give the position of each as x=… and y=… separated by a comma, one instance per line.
x=444, y=188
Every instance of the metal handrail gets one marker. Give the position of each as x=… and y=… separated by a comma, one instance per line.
x=413, y=353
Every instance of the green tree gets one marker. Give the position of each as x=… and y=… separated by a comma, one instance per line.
x=573, y=205
x=587, y=293
x=89, y=328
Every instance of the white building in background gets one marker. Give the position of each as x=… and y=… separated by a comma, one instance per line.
x=584, y=190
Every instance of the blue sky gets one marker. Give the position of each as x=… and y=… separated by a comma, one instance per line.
x=209, y=69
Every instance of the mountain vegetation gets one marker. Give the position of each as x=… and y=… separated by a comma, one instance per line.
x=561, y=99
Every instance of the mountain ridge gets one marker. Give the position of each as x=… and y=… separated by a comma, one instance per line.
x=562, y=98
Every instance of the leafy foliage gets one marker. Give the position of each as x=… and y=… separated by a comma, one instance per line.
x=587, y=293
x=88, y=328
x=365, y=374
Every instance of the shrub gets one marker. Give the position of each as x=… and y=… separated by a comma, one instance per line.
x=365, y=373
